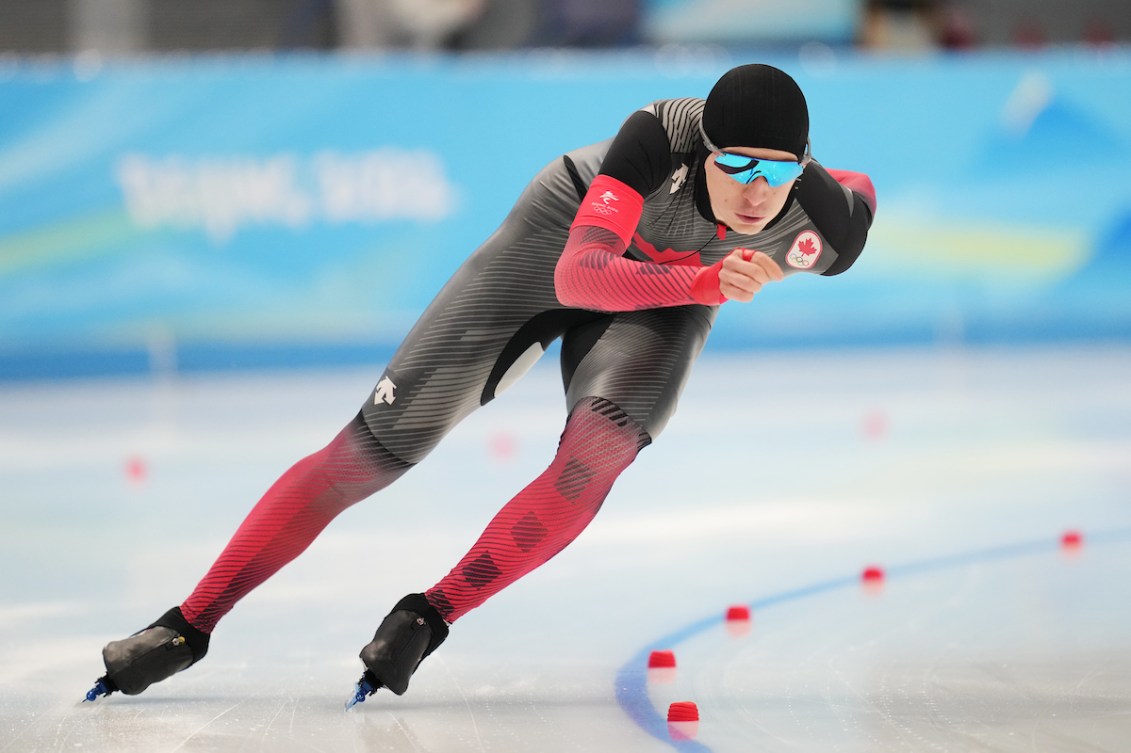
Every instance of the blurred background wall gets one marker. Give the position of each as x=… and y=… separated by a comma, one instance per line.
x=275, y=183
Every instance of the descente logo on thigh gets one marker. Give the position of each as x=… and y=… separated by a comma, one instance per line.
x=385, y=392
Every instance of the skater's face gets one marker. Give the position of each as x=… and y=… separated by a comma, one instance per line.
x=745, y=199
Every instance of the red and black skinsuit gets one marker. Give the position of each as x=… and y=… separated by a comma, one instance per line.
x=602, y=250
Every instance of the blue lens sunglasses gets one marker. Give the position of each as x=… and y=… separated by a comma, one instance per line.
x=746, y=170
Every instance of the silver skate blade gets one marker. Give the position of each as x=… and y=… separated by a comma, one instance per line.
x=364, y=689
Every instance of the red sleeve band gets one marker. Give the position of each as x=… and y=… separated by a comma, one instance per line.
x=612, y=205
x=858, y=182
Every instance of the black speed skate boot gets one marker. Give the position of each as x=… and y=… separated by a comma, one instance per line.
x=409, y=633
x=159, y=651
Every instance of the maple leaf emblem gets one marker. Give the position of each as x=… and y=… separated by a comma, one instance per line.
x=805, y=251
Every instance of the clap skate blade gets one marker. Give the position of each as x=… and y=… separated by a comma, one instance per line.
x=101, y=687
x=366, y=686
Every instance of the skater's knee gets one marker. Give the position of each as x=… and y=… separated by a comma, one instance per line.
x=355, y=464
x=359, y=441
x=597, y=426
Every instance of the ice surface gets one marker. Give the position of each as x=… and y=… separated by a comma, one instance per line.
x=780, y=478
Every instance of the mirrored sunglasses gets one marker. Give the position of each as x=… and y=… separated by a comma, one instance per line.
x=748, y=169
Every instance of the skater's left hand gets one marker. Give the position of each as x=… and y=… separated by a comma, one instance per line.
x=744, y=272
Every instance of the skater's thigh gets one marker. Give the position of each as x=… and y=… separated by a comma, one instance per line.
x=488, y=325
x=639, y=360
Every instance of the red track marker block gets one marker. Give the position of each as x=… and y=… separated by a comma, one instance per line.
x=873, y=579
x=502, y=446
x=1071, y=542
x=873, y=574
x=683, y=720
x=136, y=469
x=738, y=620
x=875, y=425
x=738, y=614
x=683, y=711
x=661, y=667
